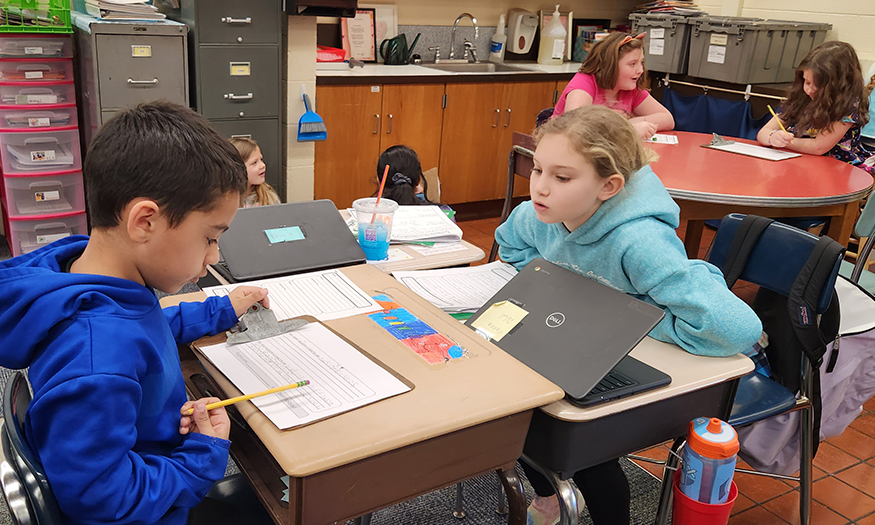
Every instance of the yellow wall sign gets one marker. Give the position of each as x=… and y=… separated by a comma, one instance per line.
x=141, y=51
x=240, y=69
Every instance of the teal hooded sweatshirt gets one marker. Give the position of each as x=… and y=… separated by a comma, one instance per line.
x=630, y=244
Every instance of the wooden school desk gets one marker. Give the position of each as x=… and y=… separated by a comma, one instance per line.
x=469, y=255
x=460, y=420
x=564, y=438
x=708, y=184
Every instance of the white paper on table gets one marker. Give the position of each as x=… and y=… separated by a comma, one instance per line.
x=325, y=295
x=341, y=378
x=757, y=151
x=458, y=289
x=395, y=254
x=661, y=138
x=438, y=248
x=421, y=223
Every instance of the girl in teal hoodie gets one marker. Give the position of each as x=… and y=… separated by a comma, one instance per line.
x=598, y=209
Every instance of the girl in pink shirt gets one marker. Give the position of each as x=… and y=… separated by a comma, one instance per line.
x=613, y=75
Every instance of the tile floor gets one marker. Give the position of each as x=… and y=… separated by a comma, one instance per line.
x=844, y=468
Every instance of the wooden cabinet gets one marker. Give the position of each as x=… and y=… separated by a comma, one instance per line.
x=362, y=121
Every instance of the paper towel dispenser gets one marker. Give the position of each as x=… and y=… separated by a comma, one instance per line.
x=342, y=8
x=521, y=28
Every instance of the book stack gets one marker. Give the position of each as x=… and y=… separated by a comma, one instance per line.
x=670, y=7
x=123, y=10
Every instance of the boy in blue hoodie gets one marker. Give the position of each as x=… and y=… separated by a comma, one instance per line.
x=108, y=391
x=599, y=210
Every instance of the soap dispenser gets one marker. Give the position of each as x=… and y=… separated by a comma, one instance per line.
x=552, y=49
x=499, y=43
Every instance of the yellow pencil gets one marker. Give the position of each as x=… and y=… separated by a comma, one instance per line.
x=772, y=111
x=247, y=397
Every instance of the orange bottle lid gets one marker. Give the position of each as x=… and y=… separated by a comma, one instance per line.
x=712, y=438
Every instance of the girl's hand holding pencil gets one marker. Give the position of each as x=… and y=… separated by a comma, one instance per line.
x=779, y=138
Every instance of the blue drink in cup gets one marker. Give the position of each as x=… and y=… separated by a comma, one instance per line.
x=375, y=226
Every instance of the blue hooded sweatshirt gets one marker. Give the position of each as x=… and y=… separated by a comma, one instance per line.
x=630, y=244
x=108, y=388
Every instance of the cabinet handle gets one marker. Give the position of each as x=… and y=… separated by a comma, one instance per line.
x=232, y=96
x=229, y=20
x=390, y=125
x=507, y=122
x=376, y=123
x=497, y=118
x=555, y=96
x=133, y=82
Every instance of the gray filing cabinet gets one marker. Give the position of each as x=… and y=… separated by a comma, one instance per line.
x=235, y=70
x=122, y=64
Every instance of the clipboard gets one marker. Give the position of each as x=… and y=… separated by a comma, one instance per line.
x=721, y=144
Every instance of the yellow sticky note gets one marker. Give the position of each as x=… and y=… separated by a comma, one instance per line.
x=499, y=319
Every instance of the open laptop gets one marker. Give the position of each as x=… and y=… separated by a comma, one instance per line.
x=578, y=333
x=285, y=239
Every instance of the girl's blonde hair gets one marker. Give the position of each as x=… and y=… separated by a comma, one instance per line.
x=603, y=137
x=264, y=191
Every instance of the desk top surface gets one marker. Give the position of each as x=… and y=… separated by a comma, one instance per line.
x=447, y=397
x=691, y=172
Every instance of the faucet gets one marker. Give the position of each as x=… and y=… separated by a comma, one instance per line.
x=453, y=37
x=470, y=52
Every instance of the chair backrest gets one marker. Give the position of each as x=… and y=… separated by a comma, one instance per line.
x=543, y=116
x=865, y=227
x=16, y=398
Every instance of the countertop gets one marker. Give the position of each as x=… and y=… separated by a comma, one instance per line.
x=340, y=73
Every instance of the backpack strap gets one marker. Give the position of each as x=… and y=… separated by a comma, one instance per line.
x=746, y=237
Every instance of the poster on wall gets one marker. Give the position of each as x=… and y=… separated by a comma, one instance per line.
x=359, y=35
x=386, y=22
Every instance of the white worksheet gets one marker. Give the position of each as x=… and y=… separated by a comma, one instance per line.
x=419, y=223
x=325, y=295
x=455, y=290
x=341, y=378
x=757, y=151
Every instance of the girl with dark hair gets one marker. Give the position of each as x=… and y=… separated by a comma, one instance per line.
x=825, y=109
x=405, y=184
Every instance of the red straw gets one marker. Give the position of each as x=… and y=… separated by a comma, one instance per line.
x=380, y=194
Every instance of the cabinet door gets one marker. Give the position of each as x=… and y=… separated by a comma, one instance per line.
x=238, y=81
x=346, y=163
x=412, y=115
x=470, y=139
x=135, y=69
x=522, y=103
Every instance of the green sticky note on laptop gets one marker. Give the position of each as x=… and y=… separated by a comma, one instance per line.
x=284, y=234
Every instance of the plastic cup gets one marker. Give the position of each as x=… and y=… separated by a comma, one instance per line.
x=687, y=511
x=375, y=226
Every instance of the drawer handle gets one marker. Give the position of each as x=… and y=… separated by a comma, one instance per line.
x=229, y=20
x=232, y=96
x=133, y=82
x=507, y=122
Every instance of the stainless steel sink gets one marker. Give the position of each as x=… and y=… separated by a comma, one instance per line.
x=479, y=67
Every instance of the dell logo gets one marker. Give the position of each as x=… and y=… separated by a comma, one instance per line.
x=555, y=320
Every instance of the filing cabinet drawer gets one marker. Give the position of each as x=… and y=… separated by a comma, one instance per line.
x=266, y=132
x=235, y=80
x=26, y=236
x=135, y=69
x=44, y=195
x=236, y=22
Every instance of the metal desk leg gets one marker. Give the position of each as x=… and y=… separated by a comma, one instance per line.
x=516, y=498
x=459, y=510
x=501, y=508
x=568, y=508
x=665, y=493
x=363, y=520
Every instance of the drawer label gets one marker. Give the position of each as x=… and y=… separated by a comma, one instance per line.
x=375, y=89
x=33, y=74
x=657, y=32
x=46, y=239
x=38, y=122
x=141, y=51
x=240, y=69
x=40, y=156
x=717, y=54
x=657, y=47
x=33, y=50
x=42, y=196
x=719, y=40
x=36, y=99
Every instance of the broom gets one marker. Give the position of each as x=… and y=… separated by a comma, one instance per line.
x=311, y=127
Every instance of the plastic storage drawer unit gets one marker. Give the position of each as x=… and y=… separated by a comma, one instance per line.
x=26, y=236
x=38, y=118
x=666, y=41
x=26, y=94
x=35, y=46
x=27, y=152
x=41, y=195
x=36, y=70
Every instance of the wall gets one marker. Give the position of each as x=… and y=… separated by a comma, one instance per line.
x=444, y=12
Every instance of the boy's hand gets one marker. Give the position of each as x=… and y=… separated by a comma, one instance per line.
x=243, y=297
x=780, y=139
x=645, y=129
x=214, y=423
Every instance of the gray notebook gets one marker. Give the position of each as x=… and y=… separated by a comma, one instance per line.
x=578, y=333
x=285, y=239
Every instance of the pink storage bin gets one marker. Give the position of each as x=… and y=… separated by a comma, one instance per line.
x=44, y=152
x=26, y=197
x=36, y=71
x=35, y=46
x=28, y=235
x=16, y=94
x=38, y=117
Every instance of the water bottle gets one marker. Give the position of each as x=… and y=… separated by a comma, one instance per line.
x=709, y=460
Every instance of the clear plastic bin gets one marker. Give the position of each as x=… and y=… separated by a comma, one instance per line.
x=36, y=71
x=35, y=46
x=26, y=94
x=666, y=40
x=38, y=118
x=39, y=152
x=30, y=196
x=26, y=236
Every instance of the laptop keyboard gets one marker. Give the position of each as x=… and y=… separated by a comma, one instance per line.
x=612, y=381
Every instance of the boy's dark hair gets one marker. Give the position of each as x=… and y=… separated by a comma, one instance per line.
x=164, y=152
x=405, y=174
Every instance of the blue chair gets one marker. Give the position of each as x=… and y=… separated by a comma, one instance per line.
x=775, y=262
x=865, y=228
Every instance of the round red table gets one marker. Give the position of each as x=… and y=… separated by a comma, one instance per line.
x=708, y=184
